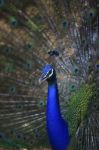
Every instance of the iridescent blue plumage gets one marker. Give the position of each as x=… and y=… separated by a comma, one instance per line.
x=57, y=128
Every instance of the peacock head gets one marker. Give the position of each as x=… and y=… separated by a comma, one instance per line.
x=48, y=74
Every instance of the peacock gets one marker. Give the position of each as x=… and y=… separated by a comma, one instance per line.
x=62, y=37
x=56, y=126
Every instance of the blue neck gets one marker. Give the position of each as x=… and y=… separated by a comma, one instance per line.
x=56, y=126
x=53, y=108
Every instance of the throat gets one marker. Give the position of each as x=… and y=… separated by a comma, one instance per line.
x=53, y=108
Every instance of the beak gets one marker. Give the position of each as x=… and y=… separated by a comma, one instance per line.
x=42, y=78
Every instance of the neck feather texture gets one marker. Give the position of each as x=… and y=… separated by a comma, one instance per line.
x=57, y=128
x=53, y=107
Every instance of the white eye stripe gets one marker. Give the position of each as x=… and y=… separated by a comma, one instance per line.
x=51, y=73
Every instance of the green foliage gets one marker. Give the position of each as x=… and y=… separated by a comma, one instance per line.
x=78, y=107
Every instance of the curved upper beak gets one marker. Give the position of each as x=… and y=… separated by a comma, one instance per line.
x=42, y=78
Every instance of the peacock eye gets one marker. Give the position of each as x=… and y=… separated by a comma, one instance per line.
x=50, y=72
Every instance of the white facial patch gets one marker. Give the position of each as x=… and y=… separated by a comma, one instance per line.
x=51, y=73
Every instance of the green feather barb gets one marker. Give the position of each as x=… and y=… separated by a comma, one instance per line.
x=78, y=107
